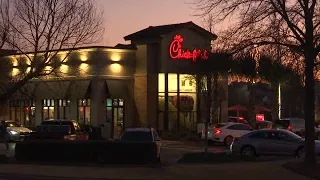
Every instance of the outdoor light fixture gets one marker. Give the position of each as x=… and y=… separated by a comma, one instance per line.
x=115, y=57
x=64, y=68
x=14, y=61
x=83, y=57
x=63, y=56
x=15, y=71
x=116, y=67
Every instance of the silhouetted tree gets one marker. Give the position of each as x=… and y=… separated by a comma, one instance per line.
x=294, y=25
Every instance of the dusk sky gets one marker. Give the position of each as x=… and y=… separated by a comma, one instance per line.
x=123, y=17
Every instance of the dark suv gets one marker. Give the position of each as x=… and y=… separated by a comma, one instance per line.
x=71, y=128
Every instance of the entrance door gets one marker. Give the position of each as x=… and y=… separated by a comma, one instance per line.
x=115, y=115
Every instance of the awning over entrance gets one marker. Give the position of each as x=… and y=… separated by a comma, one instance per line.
x=79, y=89
x=116, y=88
x=52, y=89
x=26, y=92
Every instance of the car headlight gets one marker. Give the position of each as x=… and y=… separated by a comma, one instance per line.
x=13, y=132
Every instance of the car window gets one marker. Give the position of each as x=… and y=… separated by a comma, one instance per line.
x=12, y=124
x=259, y=135
x=284, y=136
x=239, y=127
x=139, y=136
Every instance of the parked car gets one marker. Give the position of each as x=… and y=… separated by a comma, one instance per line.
x=295, y=125
x=226, y=132
x=142, y=135
x=60, y=129
x=12, y=131
x=270, y=142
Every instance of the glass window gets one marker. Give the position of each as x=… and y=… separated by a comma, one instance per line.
x=64, y=109
x=121, y=102
x=161, y=82
x=259, y=135
x=139, y=136
x=84, y=115
x=48, y=109
x=172, y=82
x=87, y=115
x=29, y=113
x=109, y=102
x=109, y=114
x=115, y=102
x=187, y=83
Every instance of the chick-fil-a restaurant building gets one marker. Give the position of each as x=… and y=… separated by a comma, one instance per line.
x=145, y=82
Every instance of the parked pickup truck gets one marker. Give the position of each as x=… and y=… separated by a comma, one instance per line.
x=59, y=130
x=140, y=135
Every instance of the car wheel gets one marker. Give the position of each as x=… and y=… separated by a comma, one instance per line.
x=300, y=153
x=248, y=151
x=228, y=140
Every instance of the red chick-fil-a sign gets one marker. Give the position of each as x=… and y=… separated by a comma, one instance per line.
x=177, y=52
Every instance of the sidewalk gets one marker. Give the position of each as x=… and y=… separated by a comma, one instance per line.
x=263, y=171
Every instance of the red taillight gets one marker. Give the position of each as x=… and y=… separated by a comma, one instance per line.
x=217, y=131
x=289, y=128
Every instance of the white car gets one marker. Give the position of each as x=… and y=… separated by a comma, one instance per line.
x=226, y=132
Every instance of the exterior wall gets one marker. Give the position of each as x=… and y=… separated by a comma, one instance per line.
x=192, y=40
x=84, y=75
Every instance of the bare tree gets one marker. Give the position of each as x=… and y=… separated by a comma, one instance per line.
x=41, y=29
x=292, y=24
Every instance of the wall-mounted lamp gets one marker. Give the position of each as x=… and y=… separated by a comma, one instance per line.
x=64, y=68
x=15, y=71
x=115, y=57
x=115, y=67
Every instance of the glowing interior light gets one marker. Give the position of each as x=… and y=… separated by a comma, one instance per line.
x=116, y=68
x=176, y=51
x=115, y=57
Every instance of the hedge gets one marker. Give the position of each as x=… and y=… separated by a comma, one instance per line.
x=85, y=151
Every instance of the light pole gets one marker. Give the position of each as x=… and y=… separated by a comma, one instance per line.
x=279, y=101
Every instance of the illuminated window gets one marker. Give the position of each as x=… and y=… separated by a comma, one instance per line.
x=84, y=116
x=115, y=115
x=182, y=102
x=63, y=109
x=29, y=107
x=15, y=111
x=183, y=82
x=48, y=109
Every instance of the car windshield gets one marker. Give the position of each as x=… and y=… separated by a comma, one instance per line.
x=140, y=136
x=12, y=124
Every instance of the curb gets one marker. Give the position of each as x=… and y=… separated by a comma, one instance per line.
x=35, y=177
